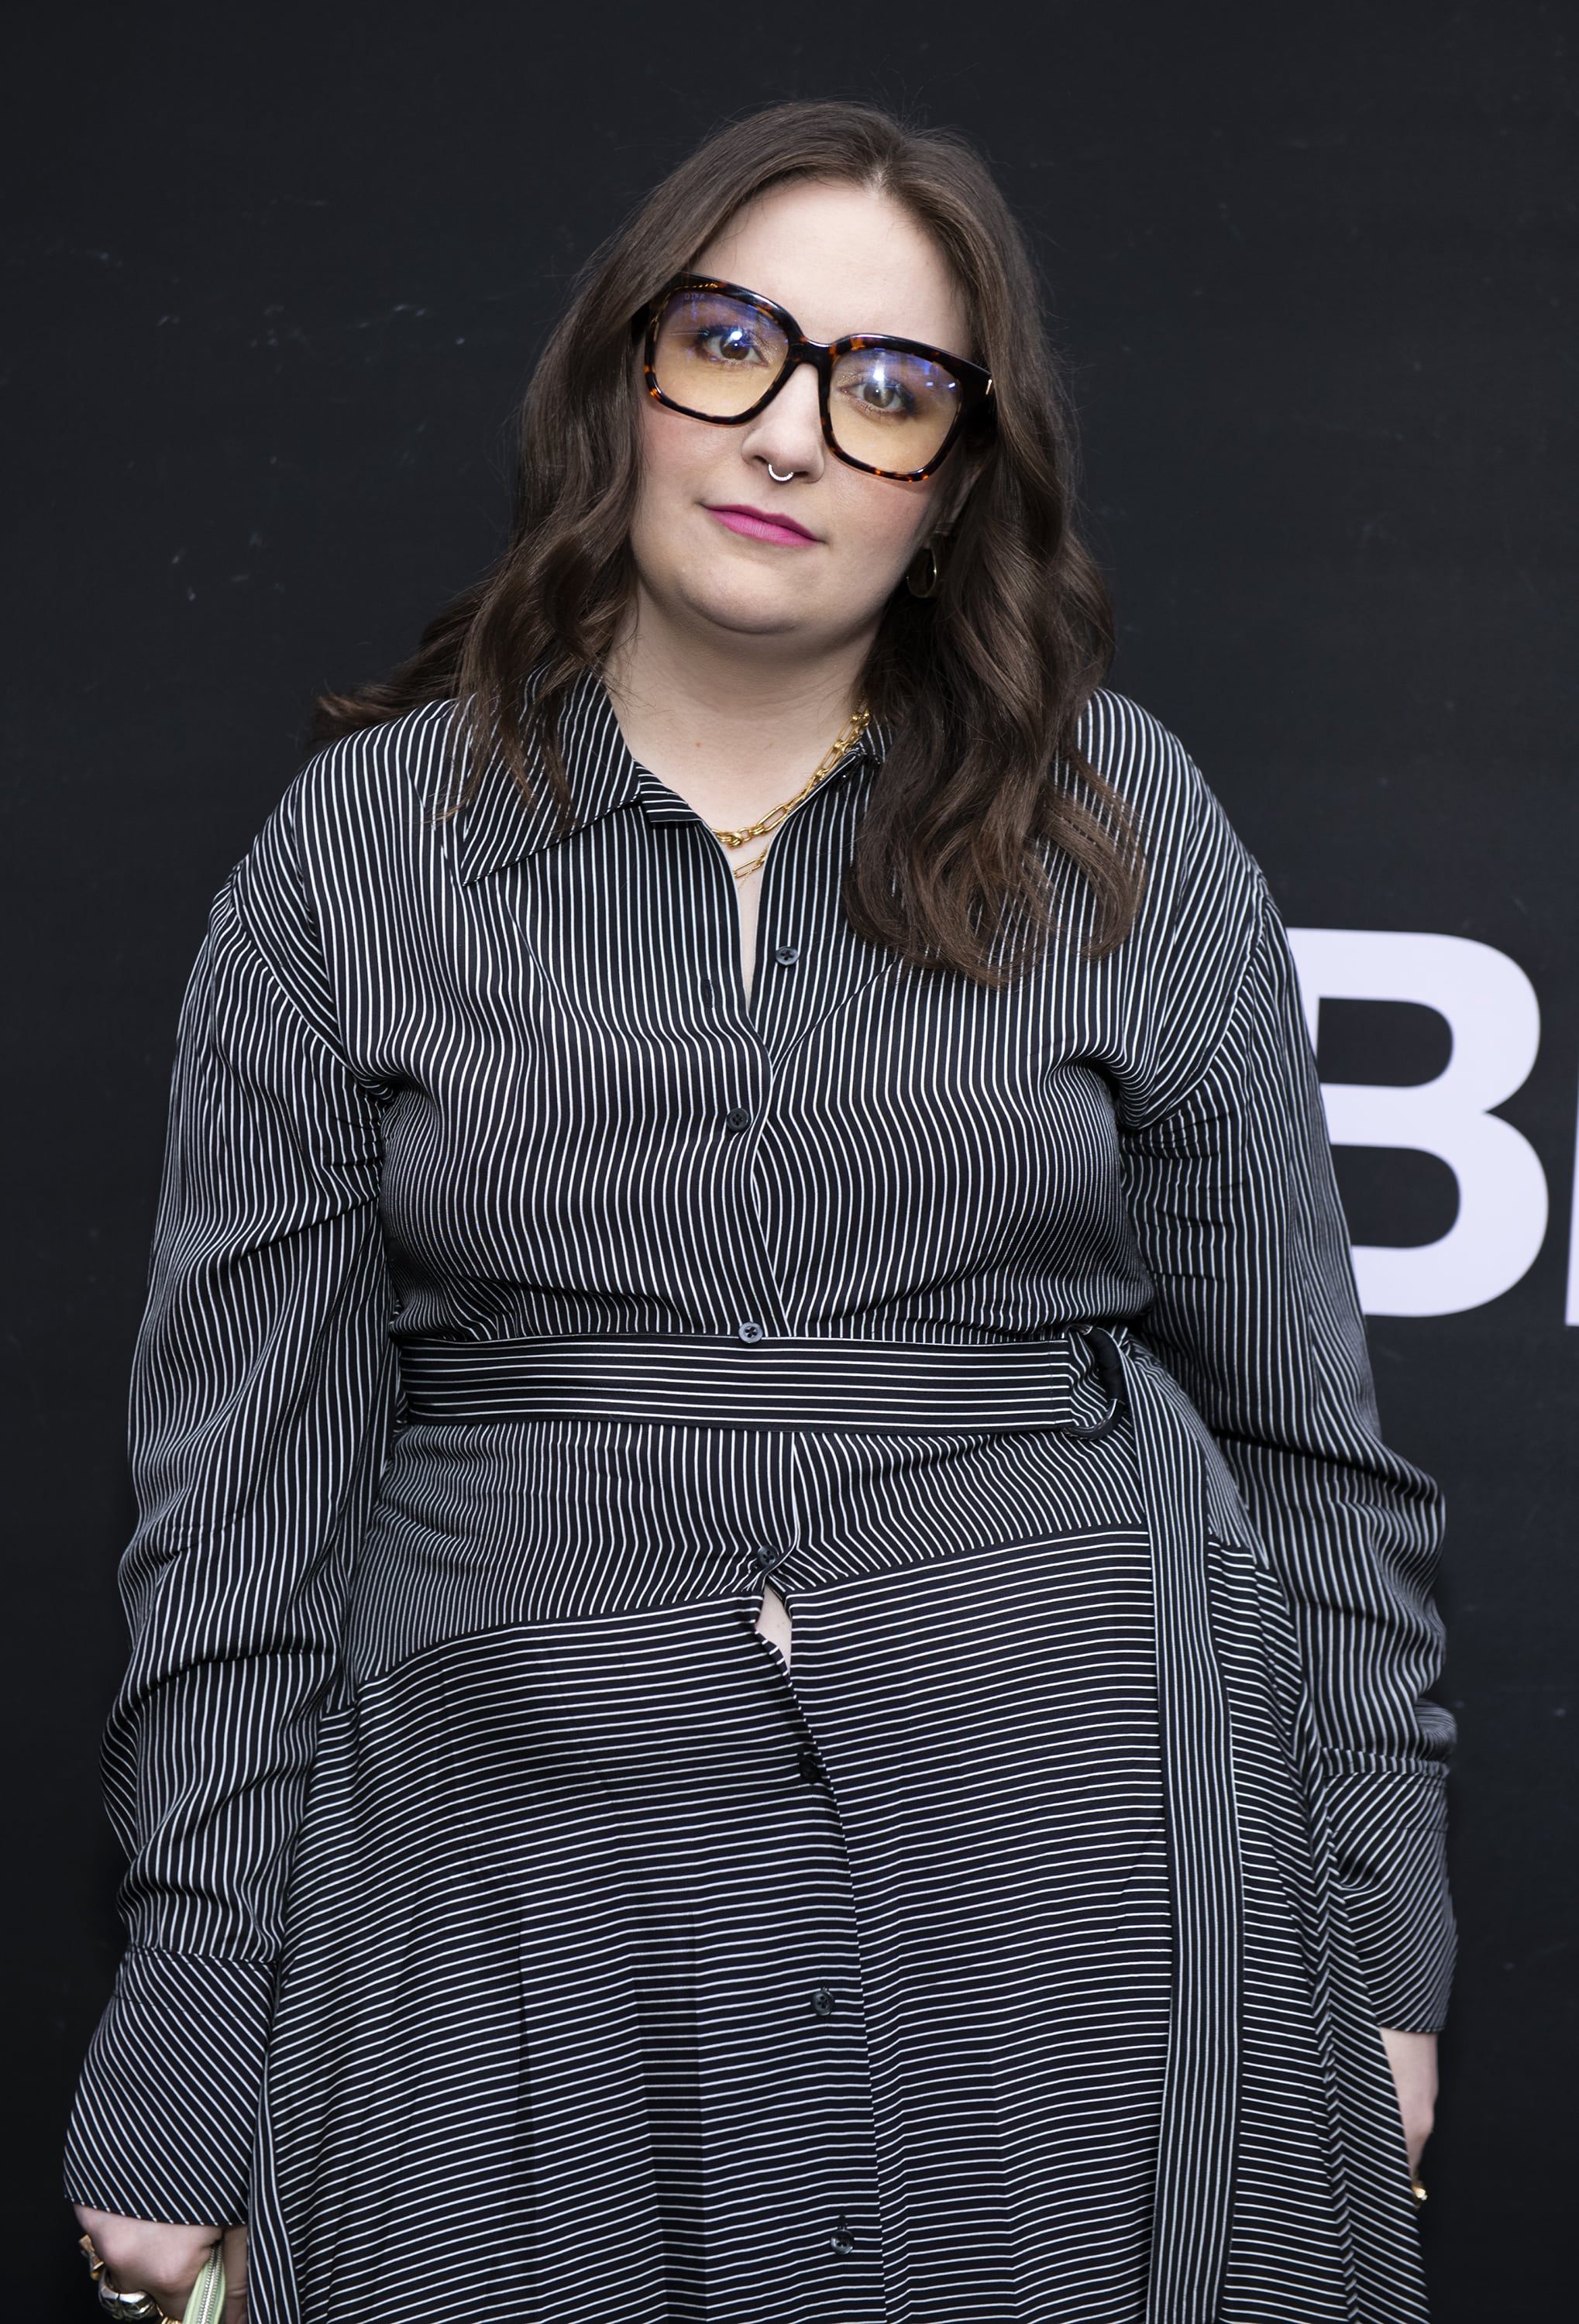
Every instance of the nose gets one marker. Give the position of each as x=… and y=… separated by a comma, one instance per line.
x=789, y=434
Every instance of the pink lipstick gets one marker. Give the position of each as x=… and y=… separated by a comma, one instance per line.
x=757, y=525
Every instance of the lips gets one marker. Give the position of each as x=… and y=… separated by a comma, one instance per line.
x=755, y=524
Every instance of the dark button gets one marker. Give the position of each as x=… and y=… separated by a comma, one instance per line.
x=737, y=1118
x=786, y=954
x=842, y=2242
x=808, y=1767
x=750, y=1333
x=709, y=990
x=822, y=2001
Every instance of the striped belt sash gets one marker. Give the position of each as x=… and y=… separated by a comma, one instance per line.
x=691, y=1381
x=753, y=1380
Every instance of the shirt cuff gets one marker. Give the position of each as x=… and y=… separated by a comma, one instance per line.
x=1389, y=1823
x=168, y=2104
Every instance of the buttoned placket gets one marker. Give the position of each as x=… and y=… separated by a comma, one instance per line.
x=760, y=1028
x=758, y=1025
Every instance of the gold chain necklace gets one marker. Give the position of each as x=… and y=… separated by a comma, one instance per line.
x=849, y=734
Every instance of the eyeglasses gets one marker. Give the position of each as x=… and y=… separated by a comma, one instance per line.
x=891, y=406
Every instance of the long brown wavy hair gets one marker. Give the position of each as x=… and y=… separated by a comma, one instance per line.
x=981, y=687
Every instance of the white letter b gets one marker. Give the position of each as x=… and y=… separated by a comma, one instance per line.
x=1495, y=1018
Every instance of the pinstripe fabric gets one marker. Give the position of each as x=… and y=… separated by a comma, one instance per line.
x=523, y=1297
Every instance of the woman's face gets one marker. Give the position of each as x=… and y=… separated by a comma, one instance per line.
x=841, y=260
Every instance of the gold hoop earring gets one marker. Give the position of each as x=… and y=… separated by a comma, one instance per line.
x=923, y=572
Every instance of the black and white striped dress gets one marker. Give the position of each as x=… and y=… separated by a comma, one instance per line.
x=513, y=1936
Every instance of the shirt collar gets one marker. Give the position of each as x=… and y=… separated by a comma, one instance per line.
x=500, y=824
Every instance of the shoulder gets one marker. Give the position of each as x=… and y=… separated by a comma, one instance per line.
x=352, y=840
x=366, y=799
x=1177, y=976
x=1151, y=770
x=1199, y=874
x=362, y=815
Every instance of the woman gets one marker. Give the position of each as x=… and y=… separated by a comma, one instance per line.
x=778, y=1671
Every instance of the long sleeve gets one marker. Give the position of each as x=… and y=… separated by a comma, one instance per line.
x=259, y=1413
x=1255, y=1312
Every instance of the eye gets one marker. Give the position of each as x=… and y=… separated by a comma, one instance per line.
x=726, y=339
x=882, y=395
x=879, y=388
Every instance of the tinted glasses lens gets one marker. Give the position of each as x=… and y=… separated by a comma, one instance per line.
x=715, y=355
x=892, y=411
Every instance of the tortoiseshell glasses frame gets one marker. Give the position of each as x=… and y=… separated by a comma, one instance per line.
x=974, y=386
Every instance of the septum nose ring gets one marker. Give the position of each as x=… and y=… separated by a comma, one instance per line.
x=786, y=478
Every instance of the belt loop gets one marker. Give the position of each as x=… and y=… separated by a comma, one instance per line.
x=1109, y=1366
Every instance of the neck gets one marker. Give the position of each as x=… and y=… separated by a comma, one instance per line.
x=730, y=722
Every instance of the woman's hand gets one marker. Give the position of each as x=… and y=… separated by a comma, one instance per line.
x=1413, y=2060
x=143, y=2255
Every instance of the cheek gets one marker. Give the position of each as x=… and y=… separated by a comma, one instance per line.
x=886, y=522
x=674, y=451
x=653, y=516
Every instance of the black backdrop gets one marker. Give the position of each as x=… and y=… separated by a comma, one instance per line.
x=275, y=278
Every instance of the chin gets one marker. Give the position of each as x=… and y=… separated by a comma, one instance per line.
x=770, y=611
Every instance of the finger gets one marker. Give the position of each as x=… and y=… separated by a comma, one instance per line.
x=172, y=2293
x=140, y=2285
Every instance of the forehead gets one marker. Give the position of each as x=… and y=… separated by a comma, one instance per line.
x=841, y=259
